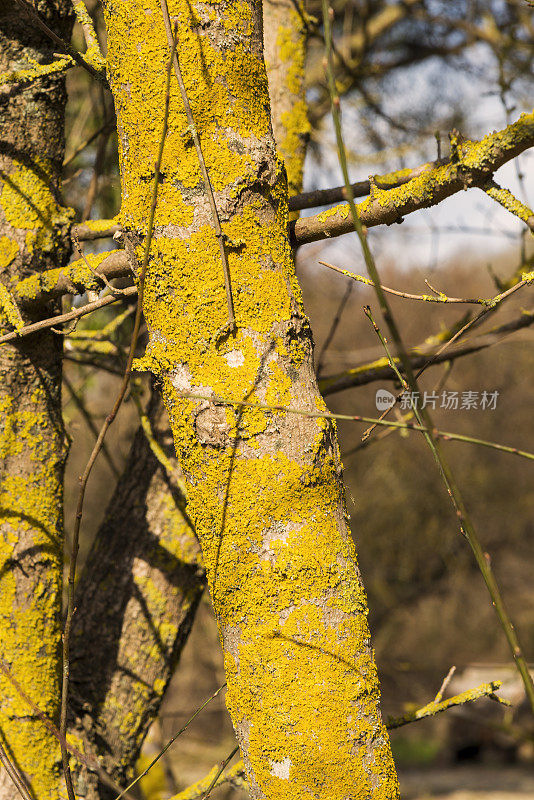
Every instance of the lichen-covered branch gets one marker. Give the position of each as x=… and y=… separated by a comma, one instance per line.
x=136, y=601
x=36, y=70
x=34, y=236
x=76, y=278
x=471, y=164
x=323, y=197
x=380, y=369
x=95, y=229
x=93, y=54
x=507, y=200
x=264, y=490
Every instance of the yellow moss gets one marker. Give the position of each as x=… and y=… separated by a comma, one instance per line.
x=30, y=622
x=93, y=54
x=293, y=634
x=9, y=307
x=99, y=225
x=223, y=101
x=290, y=119
x=77, y=273
x=36, y=70
x=238, y=18
x=279, y=389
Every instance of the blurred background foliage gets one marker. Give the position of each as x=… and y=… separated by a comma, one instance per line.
x=410, y=71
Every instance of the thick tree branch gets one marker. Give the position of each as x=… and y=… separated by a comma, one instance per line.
x=471, y=164
x=323, y=197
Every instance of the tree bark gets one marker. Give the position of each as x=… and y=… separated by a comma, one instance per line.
x=285, y=38
x=264, y=489
x=136, y=601
x=33, y=237
x=112, y=707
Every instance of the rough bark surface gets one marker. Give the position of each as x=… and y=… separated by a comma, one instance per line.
x=112, y=710
x=285, y=41
x=264, y=489
x=33, y=237
x=136, y=601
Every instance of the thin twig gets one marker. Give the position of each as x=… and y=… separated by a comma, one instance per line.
x=218, y=774
x=500, y=298
x=333, y=328
x=99, y=275
x=76, y=313
x=439, y=297
x=14, y=774
x=171, y=741
x=205, y=176
x=80, y=60
x=106, y=127
x=448, y=678
x=107, y=423
x=90, y=423
x=423, y=416
x=434, y=707
x=408, y=426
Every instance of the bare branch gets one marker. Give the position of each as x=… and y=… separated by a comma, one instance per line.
x=76, y=313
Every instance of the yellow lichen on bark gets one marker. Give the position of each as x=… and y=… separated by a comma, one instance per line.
x=29, y=620
x=264, y=488
x=285, y=40
x=32, y=454
x=33, y=237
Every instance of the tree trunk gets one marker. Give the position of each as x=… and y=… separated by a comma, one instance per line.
x=264, y=488
x=285, y=38
x=116, y=697
x=136, y=601
x=33, y=237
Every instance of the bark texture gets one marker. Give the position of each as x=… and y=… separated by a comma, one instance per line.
x=136, y=601
x=285, y=38
x=112, y=709
x=33, y=237
x=264, y=489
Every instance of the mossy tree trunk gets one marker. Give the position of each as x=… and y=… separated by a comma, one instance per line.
x=264, y=488
x=33, y=237
x=139, y=589
x=285, y=37
x=136, y=601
